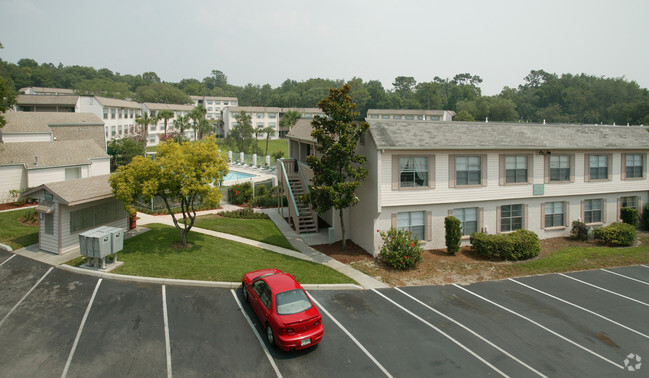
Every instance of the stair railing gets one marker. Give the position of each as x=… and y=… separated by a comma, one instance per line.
x=293, y=211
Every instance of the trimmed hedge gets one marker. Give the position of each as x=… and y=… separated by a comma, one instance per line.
x=520, y=244
x=616, y=234
x=453, y=228
x=630, y=216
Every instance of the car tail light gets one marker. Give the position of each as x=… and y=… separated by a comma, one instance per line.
x=286, y=330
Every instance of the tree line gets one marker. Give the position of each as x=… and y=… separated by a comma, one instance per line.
x=542, y=96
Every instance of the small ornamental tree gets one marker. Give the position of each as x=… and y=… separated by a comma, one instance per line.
x=339, y=169
x=453, y=228
x=241, y=137
x=400, y=250
x=181, y=173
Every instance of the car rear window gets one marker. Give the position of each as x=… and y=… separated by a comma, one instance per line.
x=292, y=302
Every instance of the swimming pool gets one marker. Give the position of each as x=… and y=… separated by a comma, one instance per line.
x=235, y=176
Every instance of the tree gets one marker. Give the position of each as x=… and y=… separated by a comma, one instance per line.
x=203, y=128
x=463, y=115
x=145, y=121
x=241, y=136
x=182, y=174
x=200, y=124
x=289, y=119
x=339, y=170
x=123, y=151
x=181, y=124
x=165, y=115
x=7, y=96
x=269, y=131
x=162, y=93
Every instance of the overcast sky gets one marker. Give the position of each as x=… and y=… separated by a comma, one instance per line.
x=263, y=41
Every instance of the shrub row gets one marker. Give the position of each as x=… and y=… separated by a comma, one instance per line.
x=616, y=234
x=520, y=244
x=246, y=213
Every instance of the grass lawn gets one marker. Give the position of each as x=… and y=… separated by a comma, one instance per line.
x=16, y=234
x=154, y=254
x=274, y=145
x=580, y=258
x=263, y=230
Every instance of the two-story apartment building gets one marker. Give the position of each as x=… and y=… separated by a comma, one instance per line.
x=156, y=131
x=493, y=177
x=410, y=115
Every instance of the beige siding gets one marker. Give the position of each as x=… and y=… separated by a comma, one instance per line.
x=70, y=241
x=100, y=167
x=46, y=242
x=45, y=175
x=363, y=215
x=11, y=178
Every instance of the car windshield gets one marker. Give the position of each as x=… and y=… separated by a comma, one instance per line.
x=292, y=302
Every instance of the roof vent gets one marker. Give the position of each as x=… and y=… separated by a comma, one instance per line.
x=544, y=121
x=36, y=160
x=486, y=120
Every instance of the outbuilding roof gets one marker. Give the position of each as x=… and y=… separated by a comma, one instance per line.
x=34, y=155
x=301, y=130
x=453, y=135
x=75, y=192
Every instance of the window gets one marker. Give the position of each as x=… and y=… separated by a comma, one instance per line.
x=48, y=219
x=292, y=302
x=421, y=118
x=217, y=102
x=225, y=103
x=72, y=173
x=633, y=165
x=515, y=169
x=554, y=214
x=47, y=196
x=374, y=116
x=119, y=113
x=130, y=113
x=152, y=128
x=412, y=221
x=260, y=125
x=96, y=215
x=511, y=218
x=152, y=139
x=263, y=291
x=413, y=171
x=593, y=211
x=410, y=117
x=272, y=124
x=112, y=113
x=260, y=115
x=397, y=117
x=112, y=131
x=272, y=115
x=209, y=109
x=468, y=219
x=105, y=113
x=560, y=168
x=106, y=131
x=209, y=102
x=598, y=167
x=468, y=170
x=385, y=116
x=433, y=118
x=631, y=202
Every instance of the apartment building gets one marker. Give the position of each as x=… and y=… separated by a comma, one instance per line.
x=118, y=115
x=156, y=131
x=214, y=105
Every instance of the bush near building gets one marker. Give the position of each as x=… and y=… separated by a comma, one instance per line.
x=517, y=245
x=400, y=250
x=616, y=234
x=453, y=228
x=579, y=231
x=630, y=216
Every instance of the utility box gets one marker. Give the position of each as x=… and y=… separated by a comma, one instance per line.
x=117, y=239
x=100, y=242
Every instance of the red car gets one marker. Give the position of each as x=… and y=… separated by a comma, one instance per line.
x=292, y=321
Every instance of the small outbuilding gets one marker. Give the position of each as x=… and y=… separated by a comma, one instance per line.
x=68, y=208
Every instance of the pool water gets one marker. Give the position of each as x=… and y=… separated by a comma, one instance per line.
x=234, y=176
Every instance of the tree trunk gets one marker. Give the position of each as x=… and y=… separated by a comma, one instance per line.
x=342, y=228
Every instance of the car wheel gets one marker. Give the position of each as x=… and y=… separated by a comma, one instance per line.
x=270, y=335
x=244, y=291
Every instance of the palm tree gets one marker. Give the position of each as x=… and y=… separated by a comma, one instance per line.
x=269, y=132
x=145, y=121
x=166, y=115
x=197, y=115
x=203, y=128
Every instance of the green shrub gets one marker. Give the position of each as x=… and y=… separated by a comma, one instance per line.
x=453, y=228
x=630, y=216
x=264, y=201
x=517, y=245
x=616, y=234
x=240, y=193
x=579, y=231
x=261, y=191
x=30, y=217
x=246, y=213
x=645, y=215
x=400, y=250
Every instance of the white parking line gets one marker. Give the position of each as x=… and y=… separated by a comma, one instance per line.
x=581, y=308
x=645, y=266
x=263, y=345
x=627, y=277
x=472, y=332
x=83, y=323
x=25, y=296
x=367, y=353
x=606, y=290
x=443, y=334
x=4, y=262
x=540, y=326
x=166, y=325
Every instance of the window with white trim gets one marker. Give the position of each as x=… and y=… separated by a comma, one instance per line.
x=593, y=211
x=631, y=202
x=633, y=165
x=511, y=218
x=413, y=171
x=515, y=169
x=554, y=214
x=414, y=222
x=468, y=219
x=468, y=170
x=598, y=167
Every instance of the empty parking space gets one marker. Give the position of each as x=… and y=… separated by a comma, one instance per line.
x=579, y=324
x=124, y=333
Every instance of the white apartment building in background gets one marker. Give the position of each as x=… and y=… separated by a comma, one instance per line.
x=263, y=117
x=410, y=115
x=118, y=115
x=214, y=105
x=156, y=131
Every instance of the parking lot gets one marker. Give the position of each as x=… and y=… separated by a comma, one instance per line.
x=58, y=323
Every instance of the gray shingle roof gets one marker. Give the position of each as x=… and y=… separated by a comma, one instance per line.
x=40, y=122
x=51, y=154
x=156, y=106
x=68, y=100
x=301, y=130
x=421, y=135
x=74, y=192
x=409, y=111
x=117, y=103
